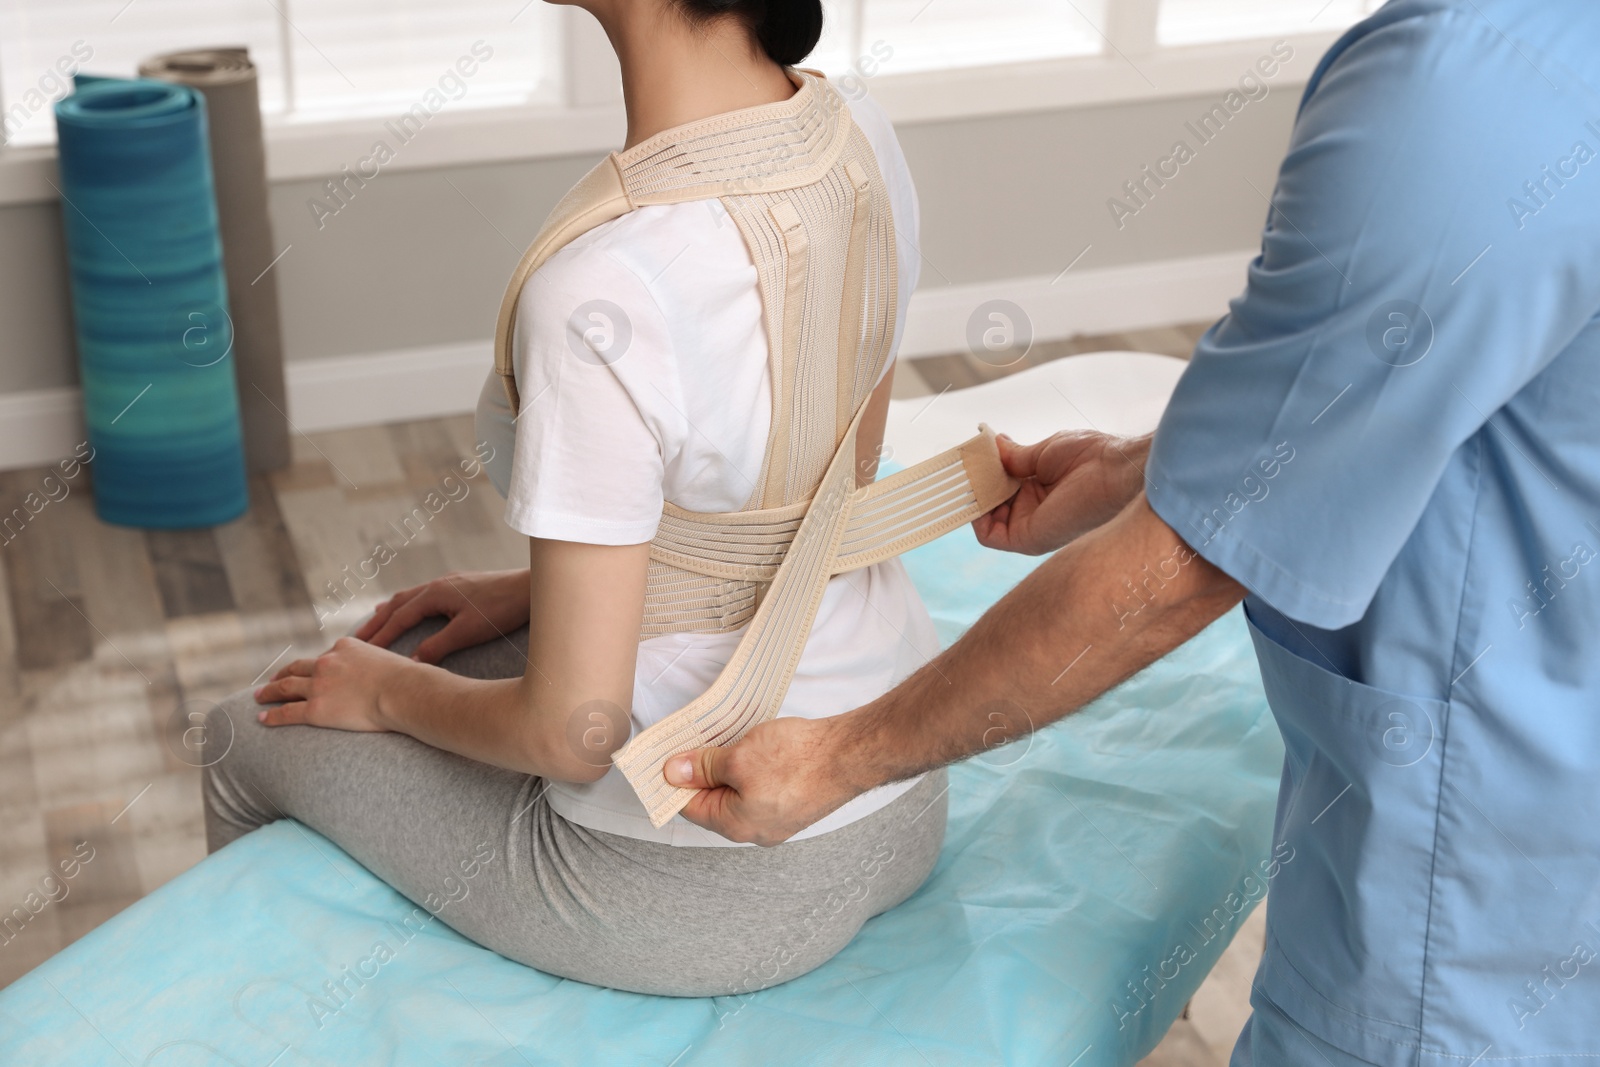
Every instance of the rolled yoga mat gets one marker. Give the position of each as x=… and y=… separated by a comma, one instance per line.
x=150, y=304
x=239, y=168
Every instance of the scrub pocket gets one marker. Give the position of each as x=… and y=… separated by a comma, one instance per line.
x=1357, y=819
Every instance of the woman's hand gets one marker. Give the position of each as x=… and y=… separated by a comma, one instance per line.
x=480, y=605
x=340, y=689
x=1072, y=482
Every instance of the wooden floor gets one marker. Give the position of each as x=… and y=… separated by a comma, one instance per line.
x=113, y=641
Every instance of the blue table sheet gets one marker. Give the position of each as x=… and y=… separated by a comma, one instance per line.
x=1090, y=878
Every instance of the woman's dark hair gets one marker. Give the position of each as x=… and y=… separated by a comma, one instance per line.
x=787, y=29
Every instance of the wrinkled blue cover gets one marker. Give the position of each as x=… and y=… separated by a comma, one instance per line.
x=1073, y=866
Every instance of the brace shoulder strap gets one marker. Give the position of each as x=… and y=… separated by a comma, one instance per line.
x=599, y=197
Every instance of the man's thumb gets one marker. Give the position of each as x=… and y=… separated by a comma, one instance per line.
x=1020, y=461
x=695, y=770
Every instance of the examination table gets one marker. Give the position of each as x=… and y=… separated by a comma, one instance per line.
x=1091, y=876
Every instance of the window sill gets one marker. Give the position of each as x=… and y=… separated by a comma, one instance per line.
x=487, y=135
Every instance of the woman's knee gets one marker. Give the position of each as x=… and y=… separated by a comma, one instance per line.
x=221, y=742
x=210, y=738
x=232, y=750
x=227, y=727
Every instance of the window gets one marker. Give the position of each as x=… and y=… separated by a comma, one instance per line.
x=317, y=59
x=902, y=36
x=548, y=85
x=1203, y=21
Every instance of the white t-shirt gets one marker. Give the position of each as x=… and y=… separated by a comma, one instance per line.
x=642, y=362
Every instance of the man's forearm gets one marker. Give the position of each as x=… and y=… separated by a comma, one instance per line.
x=1101, y=609
x=1123, y=461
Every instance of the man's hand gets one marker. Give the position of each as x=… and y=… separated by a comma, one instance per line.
x=480, y=606
x=1072, y=482
x=779, y=779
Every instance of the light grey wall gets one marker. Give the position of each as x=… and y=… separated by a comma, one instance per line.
x=1022, y=195
x=36, y=349
x=416, y=257
x=421, y=257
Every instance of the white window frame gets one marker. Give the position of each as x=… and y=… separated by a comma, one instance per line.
x=589, y=119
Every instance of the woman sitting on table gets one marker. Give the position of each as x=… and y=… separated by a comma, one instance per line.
x=474, y=753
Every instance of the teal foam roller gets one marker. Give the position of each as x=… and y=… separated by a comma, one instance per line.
x=150, y=304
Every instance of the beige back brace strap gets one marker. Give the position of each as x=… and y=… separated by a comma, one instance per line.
x=801, y=182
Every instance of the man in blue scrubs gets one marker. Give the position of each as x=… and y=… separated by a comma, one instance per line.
x=1390, y=449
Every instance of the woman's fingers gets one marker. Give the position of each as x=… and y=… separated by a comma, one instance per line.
x=285, y=688
x=458, y=633
x=381, y=613
x=406, y=616
x=284, y=714
x=301, y=667
x=380, y=617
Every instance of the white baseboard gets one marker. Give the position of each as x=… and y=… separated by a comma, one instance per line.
x=41, y=426
x=412, y=383
x=38, y=427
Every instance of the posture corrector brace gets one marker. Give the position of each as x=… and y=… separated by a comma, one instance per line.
x=801, y=182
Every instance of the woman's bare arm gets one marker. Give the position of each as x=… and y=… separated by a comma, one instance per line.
x=569, y=711
x=562, y=719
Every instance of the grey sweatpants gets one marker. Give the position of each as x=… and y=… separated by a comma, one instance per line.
x=571, y=901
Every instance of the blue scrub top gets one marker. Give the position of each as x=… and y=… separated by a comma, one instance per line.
x=1393, y=441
